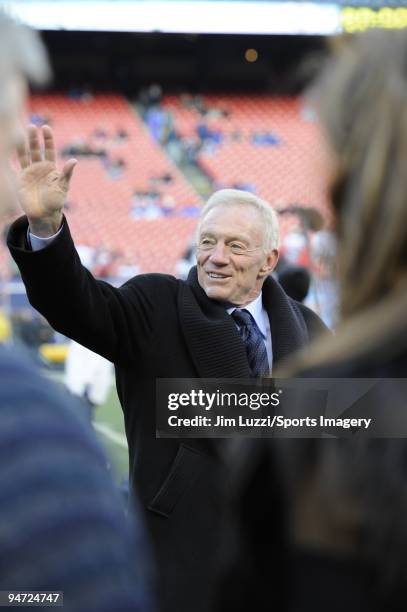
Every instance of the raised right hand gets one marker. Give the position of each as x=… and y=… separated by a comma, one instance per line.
x=42, y=187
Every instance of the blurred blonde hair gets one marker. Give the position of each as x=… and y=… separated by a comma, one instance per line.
x=362, y=103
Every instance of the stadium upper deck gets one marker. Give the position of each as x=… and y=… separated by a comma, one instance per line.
x=267, y=144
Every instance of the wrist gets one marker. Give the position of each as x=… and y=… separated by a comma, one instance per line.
x=45, y=227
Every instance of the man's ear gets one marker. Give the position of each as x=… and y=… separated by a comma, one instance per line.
x=270, y=263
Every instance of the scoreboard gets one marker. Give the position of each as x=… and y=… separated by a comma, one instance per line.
x=315, y=17
x=357, y=18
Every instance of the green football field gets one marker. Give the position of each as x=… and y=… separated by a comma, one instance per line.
x=109, y=424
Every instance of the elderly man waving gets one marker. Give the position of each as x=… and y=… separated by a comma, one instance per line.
x=229, y=319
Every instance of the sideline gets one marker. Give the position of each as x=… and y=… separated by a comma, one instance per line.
x=114, y=436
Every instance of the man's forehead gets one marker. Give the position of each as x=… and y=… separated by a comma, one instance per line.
x=232, y=219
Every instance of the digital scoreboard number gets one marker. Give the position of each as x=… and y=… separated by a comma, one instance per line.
x=360, y=18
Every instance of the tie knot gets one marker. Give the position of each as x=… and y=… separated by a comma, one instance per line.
x=242, y=317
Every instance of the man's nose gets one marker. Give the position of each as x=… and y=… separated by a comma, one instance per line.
x=220, y=254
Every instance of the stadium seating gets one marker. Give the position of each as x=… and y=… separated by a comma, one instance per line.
x=98, y=203
x=290, y=171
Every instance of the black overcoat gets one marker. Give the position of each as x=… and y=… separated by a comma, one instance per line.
x=156, y=326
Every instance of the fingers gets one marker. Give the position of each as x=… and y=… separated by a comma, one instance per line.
x=34, y=144
x=49, y=144
x=67, y=171
x=22, y=153
x=31, y=152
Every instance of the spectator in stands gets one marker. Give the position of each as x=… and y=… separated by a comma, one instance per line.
x=191, y=210
x=121, y=135
x=167, y=177
x=146, y=205
x=38, y=119
x=81, y=147
x=209, y=138
x=346, y=499
x=155, y=118
x=202, y=131
x=105, y=262
x=245, y=186
x=115, y=167
x=265, y=138
x=213, y=112
x=138, y=204
x=63, y=527
x=168, y=205
x=164, y=178
x=295, y=247
x=236, y=136
x=155, y=94
x=191, y=148
x=158, y=326
x=195, y=102
x=84, y=94
x=100, y=133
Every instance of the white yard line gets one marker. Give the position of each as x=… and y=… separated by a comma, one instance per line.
x=110, y=433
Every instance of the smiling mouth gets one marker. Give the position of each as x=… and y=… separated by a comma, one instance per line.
x=216, y=276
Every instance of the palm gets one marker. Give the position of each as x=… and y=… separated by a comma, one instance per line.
x=41, y=190
x=42, y=187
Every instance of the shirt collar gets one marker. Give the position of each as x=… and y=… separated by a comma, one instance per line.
x=256, y=310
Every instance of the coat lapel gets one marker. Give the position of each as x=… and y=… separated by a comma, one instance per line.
x=288, y=329
x=210, y=334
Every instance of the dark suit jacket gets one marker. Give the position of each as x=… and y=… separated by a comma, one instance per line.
x=156, y=326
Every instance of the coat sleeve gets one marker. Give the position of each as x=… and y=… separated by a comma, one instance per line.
x=115, y=322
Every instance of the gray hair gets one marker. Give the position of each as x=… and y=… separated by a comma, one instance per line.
x=21, y=52
x=232, y=197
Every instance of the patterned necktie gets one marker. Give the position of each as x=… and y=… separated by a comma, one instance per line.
x=254, y=343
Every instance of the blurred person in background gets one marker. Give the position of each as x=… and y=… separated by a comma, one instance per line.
x=63, y=526
x=294, y=279
x=339, y=506
x=323, y=294
x=88, y=375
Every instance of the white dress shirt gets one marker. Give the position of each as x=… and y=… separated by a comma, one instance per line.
x=37, y=242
